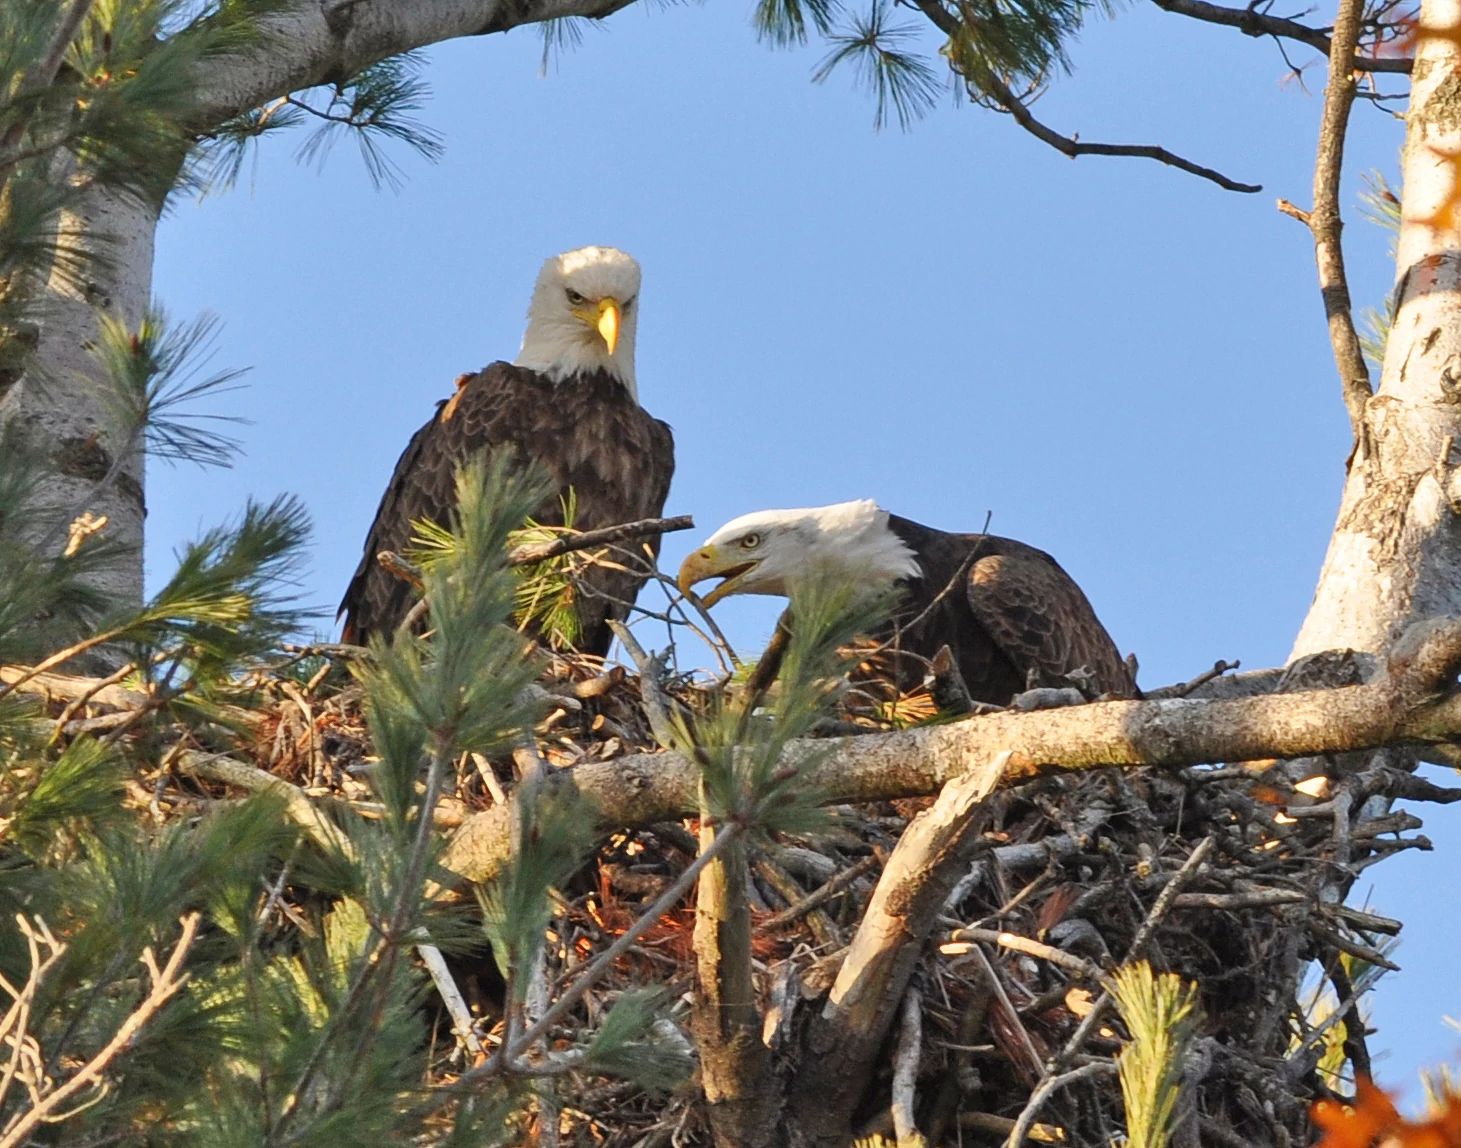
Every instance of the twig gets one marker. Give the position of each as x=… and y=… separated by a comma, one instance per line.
x=583, y=540
x=651, y=691
x=1354, y=1026
x=506, y=1058
x=1042, y=1093
x=905, y=1072
x=456, y=1005
x=1252, y=22
x=1182, y=689
x=960, y=940
x=819, y=896
x=166, y=983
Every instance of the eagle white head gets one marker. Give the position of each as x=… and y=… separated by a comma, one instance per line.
x=583, y=315
x=769, y=551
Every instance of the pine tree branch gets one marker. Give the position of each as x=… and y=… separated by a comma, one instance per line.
x=310, y=42
x=1410, y=701
x=990, y=84
x=1252, y=22
x=39, y=78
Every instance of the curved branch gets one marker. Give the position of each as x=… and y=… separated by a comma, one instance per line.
x=1412, y=700
x=1002, y=94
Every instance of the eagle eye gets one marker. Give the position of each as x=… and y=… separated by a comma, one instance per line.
x=629, y=302
x=750, y=542
x=574, y=298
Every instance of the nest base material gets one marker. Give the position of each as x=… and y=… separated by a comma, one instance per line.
x=1067, y=878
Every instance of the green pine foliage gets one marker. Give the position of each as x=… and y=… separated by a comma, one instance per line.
x=1162, y=1015
x=738, y=744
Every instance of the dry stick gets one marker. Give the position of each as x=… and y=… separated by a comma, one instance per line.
x=166, y=982
x=1254, y=23
x=651, y=692
x=567, y=543
x=1050, y=1084
x=1018, y=944
x=905, y=1072
x=819, y=896
x=1325, y=222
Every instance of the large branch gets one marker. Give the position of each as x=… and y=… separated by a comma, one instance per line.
x=1412, y=701
x=312, y=42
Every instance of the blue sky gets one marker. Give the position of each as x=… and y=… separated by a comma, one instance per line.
x=1122, y=364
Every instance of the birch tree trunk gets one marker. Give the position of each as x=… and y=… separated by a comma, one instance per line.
x=1395, y=555
x=57, y=400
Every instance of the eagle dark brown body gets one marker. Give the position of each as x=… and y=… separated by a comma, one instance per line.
x=587, y=432
x=1009, y=614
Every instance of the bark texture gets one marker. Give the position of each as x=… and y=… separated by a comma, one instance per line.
x=1395, y=555
x=55, y=402
x=1408, y=701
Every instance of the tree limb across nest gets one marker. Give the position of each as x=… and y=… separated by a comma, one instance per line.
x=1413, y=700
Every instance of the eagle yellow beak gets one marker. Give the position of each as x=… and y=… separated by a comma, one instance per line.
x=711, y=562
x=608, y=323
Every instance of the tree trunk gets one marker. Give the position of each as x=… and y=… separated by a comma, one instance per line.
x=1395, y=555
x=57, y=402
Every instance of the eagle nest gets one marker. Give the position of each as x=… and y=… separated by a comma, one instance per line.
x=1223, y=875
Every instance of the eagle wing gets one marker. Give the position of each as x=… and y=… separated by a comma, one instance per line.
x=587, y=433
x=1042, y=621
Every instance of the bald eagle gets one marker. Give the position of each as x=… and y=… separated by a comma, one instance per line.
x=568, y=401
x=1009, y=614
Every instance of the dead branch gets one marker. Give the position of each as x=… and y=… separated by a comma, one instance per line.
x=1252, y=22
x=960, y=940
x=930, y=857
x=905, y=1072
x=1325, y=222
x=604, y=536
x=1410, y=701
x=819, y=896
x=1048, y=1086
x=166, y=983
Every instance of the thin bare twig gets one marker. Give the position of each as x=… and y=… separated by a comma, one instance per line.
x=584, y=539
x=167, y=981
x=1042, y=1093
x=992, y=86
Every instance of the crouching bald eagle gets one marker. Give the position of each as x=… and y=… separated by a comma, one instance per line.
x=569, y=402
x=1009, y=614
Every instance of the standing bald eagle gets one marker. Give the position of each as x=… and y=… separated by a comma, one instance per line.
x=1009, y=614
x=569, y=402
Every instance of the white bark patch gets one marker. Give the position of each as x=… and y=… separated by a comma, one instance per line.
x=57, y=402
